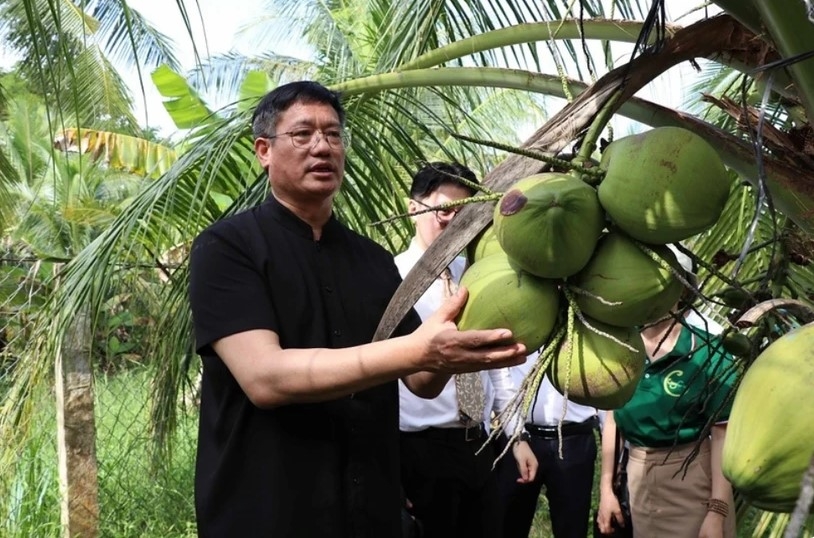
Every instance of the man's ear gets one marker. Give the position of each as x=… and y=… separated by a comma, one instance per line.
x=262, y=149
x=412, y=207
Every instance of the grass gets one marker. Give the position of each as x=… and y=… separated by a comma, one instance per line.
x=138, y=496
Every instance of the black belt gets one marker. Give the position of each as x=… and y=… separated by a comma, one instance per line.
x=474, y=433
x=568, y=429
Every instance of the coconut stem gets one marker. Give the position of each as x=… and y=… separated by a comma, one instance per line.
x=588, y=145
x=572, y=308
x=596, y=174
x=491, y=197
x=573, y=304
x=580, y=291
x=521, y=402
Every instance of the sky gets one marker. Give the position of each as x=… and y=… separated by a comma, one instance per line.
x=226, y=23
x=225, y=19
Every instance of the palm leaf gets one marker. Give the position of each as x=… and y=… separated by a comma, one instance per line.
x=118, y=151
x=183, y=104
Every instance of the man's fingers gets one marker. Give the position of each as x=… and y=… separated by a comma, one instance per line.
x=450, y=308
x=527, y=472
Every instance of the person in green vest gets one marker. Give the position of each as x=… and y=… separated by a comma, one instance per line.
x=675, y=481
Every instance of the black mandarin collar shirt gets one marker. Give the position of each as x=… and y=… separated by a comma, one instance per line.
x=326, y=469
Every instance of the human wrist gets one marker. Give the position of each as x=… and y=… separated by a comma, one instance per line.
x=419, y=352
x=522, y=437
x=606, y=488
x=715, y=516
x=718, y=507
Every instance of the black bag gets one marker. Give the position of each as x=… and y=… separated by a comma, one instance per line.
x=619, y=486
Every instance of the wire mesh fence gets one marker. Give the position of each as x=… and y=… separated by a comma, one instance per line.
x=144, y=489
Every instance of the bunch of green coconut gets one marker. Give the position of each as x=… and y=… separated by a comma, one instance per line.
x=577, y=270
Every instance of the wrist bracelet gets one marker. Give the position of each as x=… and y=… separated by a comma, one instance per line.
x=718, y=506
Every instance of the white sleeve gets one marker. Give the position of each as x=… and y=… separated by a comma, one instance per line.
x=504, y=391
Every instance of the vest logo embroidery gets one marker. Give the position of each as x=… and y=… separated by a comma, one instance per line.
x=673, y=384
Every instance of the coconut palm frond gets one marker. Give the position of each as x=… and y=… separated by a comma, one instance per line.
x=26, y=136
x=220, y=76
x=66, y=54
x=118, y=151
x=95, y=95
x=128, y=39
x=30, y=25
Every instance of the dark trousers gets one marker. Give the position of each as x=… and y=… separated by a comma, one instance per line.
x=453, y=491
x=568, y=483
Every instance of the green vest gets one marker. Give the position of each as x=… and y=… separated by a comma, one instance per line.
x=680, y=392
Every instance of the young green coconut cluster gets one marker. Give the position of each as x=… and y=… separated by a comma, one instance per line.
x=593, y=262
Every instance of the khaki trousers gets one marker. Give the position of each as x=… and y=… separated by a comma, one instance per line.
x=665, y=502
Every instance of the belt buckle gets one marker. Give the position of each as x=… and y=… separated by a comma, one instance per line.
x=475, y=429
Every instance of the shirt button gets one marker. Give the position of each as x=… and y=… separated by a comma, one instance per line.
x=329, y=289
x=647, y=375
x=355, y=481
x=337, y=332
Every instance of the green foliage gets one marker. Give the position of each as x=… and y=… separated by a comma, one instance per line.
x=61, y=208
x=69, y=51
x=137, y=496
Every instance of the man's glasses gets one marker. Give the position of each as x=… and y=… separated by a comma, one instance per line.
x=308, y=138
x=442, y=215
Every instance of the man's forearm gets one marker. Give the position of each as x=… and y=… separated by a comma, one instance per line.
x=271, y=376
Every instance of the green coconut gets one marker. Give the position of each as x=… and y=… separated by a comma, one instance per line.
x=619, y=272
x=603, y=373
x=549, y=224
x=504, y=296
x=485, y=244
x=770, y=434
x=664, y=185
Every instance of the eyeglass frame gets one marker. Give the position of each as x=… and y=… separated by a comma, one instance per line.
x=344, y=137
x=449, y=213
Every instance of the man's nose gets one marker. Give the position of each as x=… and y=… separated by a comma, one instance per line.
x=320, y=142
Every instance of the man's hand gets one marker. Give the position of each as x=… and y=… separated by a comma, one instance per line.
x=448, y=350
x=526, y=462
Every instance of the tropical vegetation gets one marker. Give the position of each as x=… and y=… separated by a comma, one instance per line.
x=97, y=212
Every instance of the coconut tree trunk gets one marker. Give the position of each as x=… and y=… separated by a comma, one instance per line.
x=76, y=433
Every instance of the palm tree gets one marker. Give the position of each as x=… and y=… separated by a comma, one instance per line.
x=415, y=73
x=53, y=203
x=59, y=201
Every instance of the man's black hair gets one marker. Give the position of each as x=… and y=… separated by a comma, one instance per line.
x=432, y=175
x=277, y=101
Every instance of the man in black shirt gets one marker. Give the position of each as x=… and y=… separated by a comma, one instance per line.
x=299, y=411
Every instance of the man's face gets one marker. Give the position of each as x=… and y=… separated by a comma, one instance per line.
x=312, y=173
x=430, y=225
